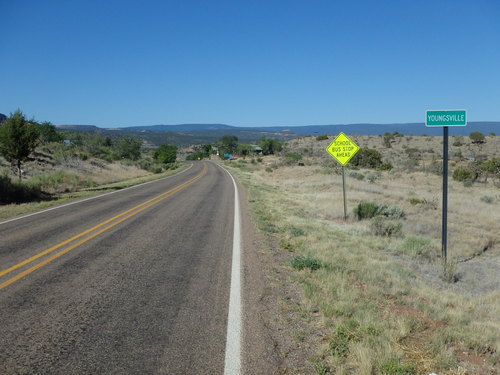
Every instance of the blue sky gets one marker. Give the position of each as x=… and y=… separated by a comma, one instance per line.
x=248, y=63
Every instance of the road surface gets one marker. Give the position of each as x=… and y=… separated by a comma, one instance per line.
x=135, y=282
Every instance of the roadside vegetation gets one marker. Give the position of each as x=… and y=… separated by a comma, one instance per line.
x=229, y=147
x=40, y=165
x=375, y=290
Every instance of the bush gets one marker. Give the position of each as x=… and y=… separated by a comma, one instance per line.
x=155, y=168
x=413, y=153
x=367, y=158
x=344, y=335
x=365, y=210
x=372, y=178
x=388, y=137
x=492, y=166
x=416, y=246
x=487, y=199
x=468, y=183
x=382, y=226
x=322, y=137
x=462, y=174
x=415, y=201
x=391, y=211
x=357, y=176
x=300, y=262
x=294, y=156
x=477, y=137
x=385, y=167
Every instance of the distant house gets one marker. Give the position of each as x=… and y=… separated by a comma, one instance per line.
x=257, y=149
x=68, y=142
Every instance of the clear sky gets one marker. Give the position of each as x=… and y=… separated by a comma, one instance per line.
x=248, y=63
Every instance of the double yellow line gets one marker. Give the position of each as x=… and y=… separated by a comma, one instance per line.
x=91, y=232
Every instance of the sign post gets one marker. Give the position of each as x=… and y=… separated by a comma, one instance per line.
x=343, y=149
x=445, y=118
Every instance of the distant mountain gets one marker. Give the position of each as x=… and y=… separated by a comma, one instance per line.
x=83, y=128
x=376, y=129
x=189, y=134
x=184, y=134
x=178, y=128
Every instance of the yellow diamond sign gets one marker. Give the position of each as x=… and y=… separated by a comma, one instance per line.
x=342, y=149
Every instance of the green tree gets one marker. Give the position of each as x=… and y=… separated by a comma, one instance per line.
x=129, y=147
x=207, y=150
x=229, y=143
x=166, y=154
x=477, y=137
x=96, y=146
x=196, y=155
x=48, y=133
x=244, y=149
x=270, y=145
x=18, y=139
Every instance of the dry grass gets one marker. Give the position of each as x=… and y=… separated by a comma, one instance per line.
x=91, y=178
x=385, y=304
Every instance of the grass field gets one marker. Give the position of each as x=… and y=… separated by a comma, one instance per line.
x=386, y=302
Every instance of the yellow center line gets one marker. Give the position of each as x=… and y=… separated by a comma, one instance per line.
x=129, y=213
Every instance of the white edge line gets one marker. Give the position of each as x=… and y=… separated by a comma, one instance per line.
x=87, y=199
x=232, y=362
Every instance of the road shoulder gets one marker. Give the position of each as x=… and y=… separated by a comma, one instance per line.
x=276, y=340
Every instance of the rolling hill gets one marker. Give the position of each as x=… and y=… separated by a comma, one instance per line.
x=188, y=134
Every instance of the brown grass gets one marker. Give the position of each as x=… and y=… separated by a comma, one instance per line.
x=396, y=307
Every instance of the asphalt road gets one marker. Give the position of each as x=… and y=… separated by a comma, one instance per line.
x=121, y=286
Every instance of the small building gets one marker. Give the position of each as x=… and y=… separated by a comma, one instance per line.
x=257, y=149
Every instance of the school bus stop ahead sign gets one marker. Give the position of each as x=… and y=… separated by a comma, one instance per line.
x=342, y=149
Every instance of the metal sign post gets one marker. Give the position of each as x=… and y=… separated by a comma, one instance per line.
x=444, y=231
x=343, y=149
x=445, y=118
x=343, y=193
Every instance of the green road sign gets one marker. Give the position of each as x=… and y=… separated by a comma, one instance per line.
x=454, y=117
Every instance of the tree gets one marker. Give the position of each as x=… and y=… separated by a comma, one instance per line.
x=196, y=155
x=229, y=143
x=207, y=150
x=18, y=139
x=244, y=149
x=166, y=154
x=270, y=145
x=129, y=147
x=477, y=137
x=48, y=133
